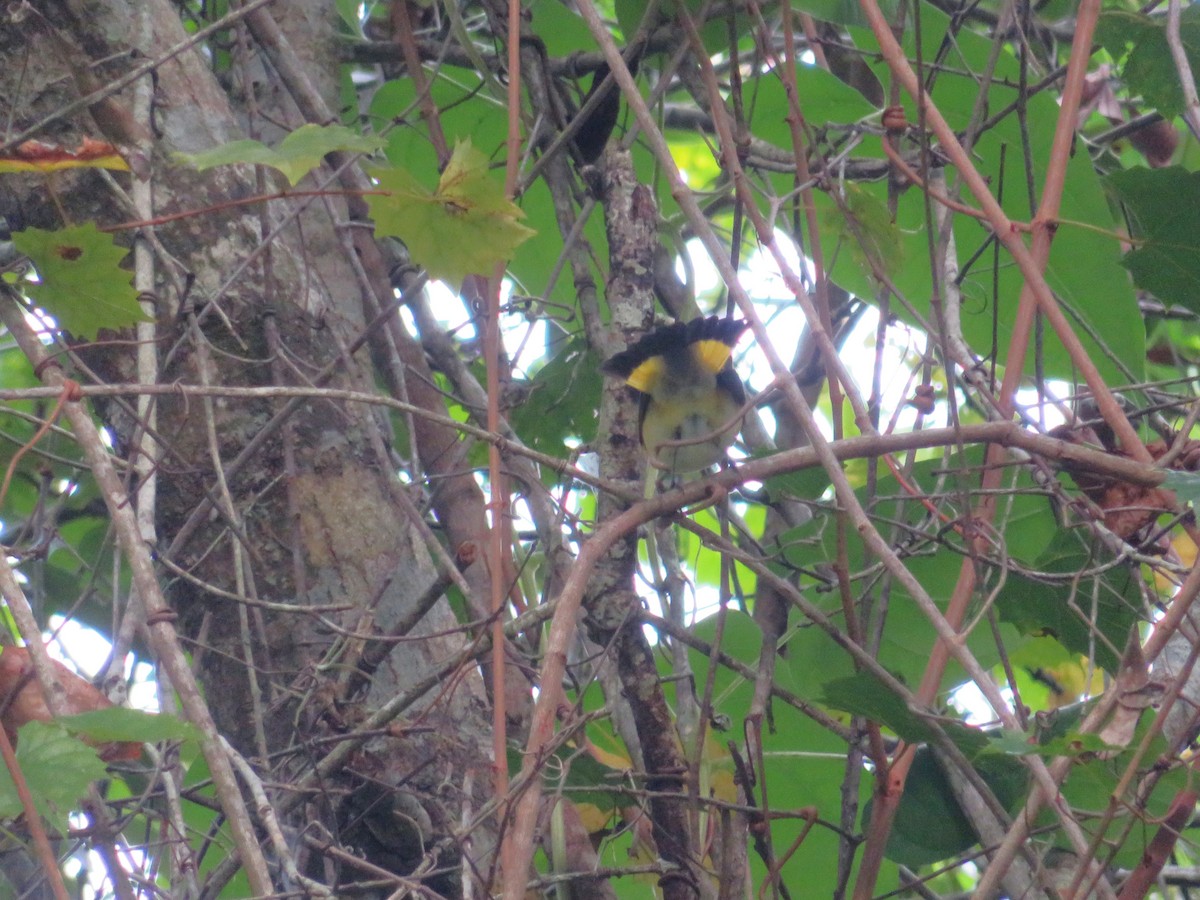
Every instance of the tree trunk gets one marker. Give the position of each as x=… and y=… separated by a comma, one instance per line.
x=285, y=542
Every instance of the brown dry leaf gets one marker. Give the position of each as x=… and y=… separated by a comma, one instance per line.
x=21, y=700
x=1135, y=692
x=35, y=156
x=1128, y=508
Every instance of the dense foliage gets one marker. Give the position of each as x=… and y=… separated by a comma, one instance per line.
x=305, y=308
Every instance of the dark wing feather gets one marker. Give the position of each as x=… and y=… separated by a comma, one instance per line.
x=662, y=341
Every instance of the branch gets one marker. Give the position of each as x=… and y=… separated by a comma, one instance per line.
x=160, y=617
x=1007, y=434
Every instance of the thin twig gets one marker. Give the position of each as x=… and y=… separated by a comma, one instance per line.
x=159, y=616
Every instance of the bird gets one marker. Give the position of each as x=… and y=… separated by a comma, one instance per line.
x=687, y=391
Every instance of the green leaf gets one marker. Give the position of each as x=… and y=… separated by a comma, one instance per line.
x=842, y=12
x=563, y=29
x=1098, y=295
x=297, y=154
x=121, y=724
x=464, y=108
x=467, y=226
x=1093, y=785
x=1014, y=743
x=534, y=260
x=908, y=638
x=1074, y=745
x=81, y=281
x=714, y=30
x=1186, y=485
x=824, y=98
x=57, y=767
x=1149, y=69
x=865, y=227
x=584, y=778
x=863, y=695
x=347, y=11
x=1092, y=615
x=805, y=764
x=562, y=400
x=1163, y=207
x=929, y=824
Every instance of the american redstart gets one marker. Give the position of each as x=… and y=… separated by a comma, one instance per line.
x=687, y=390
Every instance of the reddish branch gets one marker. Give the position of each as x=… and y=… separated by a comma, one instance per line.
x=1036, y=295
x=500, y=535
x=1161, y=846
x=33, y=820
x=1079, y=457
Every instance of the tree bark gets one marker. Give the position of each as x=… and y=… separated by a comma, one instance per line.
x=280, y=567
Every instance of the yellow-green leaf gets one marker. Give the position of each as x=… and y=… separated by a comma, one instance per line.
x=297, y=154
x=467, y=226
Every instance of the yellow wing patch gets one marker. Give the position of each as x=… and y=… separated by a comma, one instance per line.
x=712, y=354
x=646, y=375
